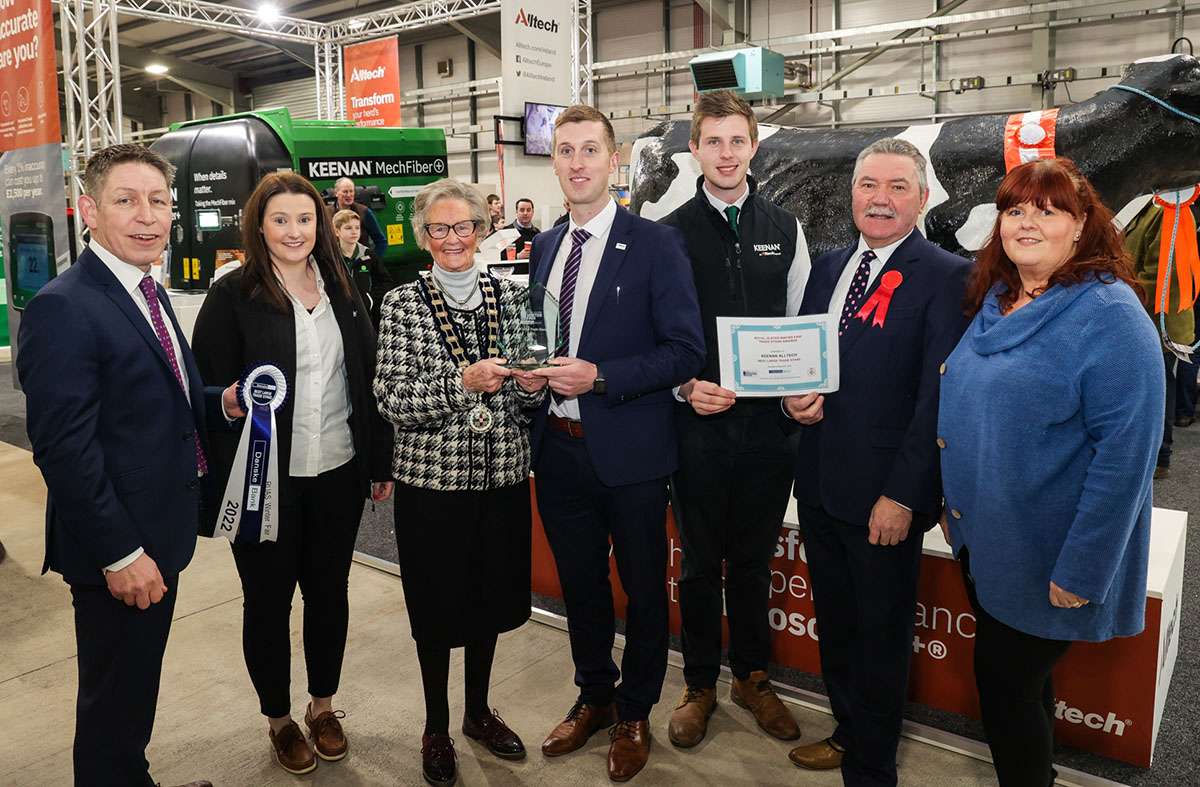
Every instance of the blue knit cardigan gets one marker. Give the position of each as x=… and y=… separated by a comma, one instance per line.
x=1051, y=418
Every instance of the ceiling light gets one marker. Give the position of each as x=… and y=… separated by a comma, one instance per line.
x=158, y=69
x=268, y=13
x=356, y=24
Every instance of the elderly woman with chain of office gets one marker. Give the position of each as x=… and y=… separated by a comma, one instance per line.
x=461, y=463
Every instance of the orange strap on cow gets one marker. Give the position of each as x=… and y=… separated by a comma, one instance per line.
x=1187, y=258
x=1029, y=136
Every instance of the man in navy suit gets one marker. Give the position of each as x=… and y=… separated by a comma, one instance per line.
x=867, y=476
x=605, y=443
x=115, y=414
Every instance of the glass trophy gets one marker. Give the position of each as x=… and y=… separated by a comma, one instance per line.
x=529, y=343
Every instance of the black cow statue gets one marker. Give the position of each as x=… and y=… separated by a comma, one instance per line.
x=1127, y=146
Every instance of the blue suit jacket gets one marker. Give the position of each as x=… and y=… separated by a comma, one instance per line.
x=111, y=429
x=643, y=329
x=878, y=434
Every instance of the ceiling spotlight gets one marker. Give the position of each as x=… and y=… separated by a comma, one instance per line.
x=356, y=24
x=268, y=13
x=158, y=69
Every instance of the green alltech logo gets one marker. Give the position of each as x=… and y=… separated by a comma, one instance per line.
x=536, y=22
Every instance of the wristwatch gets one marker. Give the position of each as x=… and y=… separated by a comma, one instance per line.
x=600, y=385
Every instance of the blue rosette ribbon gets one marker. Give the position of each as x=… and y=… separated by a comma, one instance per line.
x=249, y=513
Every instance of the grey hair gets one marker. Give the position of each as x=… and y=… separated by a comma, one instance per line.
x=446, y=188
x=102, y=162
x=894, y=147
x=337, y=183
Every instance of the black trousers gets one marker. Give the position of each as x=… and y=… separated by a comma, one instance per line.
x=1016, y=694
x=580, y=515
x=729, y=497
x=865, y=598
x=120, y=661
x=318, y=526
x=1168, y=439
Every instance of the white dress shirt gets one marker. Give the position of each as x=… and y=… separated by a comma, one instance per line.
x=130, y=277
x=321, y=438
x=801, y=263
x=837, y=301
x=589, y=265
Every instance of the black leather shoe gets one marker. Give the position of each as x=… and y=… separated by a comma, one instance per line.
x=491, y=731
x=439, y=764
x=1184, y=421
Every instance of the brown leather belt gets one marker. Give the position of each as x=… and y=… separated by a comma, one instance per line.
x=565, y=425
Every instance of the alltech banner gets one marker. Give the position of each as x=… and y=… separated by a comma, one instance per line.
x=32, y=198
x=372, y=72
x=1109, y=696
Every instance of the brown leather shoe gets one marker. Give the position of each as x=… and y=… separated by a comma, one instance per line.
x=689, y=722
x=492, y=732
x=629, y=749
x=756, y=695
x=820, y=756
x=291, y=750
x=582, y=722
x=327, y=735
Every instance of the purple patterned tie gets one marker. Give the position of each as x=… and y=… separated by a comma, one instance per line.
x=566, y=293
x=146, y=285
x=858, y=287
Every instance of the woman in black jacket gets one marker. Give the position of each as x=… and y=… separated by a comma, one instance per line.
x=292, y=305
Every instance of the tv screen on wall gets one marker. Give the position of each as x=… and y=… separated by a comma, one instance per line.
x=539, y=127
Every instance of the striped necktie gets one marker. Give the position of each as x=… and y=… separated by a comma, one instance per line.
x=566, y=293
x=146, y=285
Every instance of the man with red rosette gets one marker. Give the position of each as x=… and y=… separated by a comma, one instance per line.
x=867, y=475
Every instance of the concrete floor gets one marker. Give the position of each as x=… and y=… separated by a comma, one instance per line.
x=208, y=724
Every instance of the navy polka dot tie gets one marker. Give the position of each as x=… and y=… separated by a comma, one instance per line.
x=858, y=288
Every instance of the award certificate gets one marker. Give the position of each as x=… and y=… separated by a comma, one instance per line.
x=778, y=356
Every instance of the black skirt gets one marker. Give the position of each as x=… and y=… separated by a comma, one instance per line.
x=464, y=561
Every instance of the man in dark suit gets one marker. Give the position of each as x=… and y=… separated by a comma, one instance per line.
x=867, y=476
x=605, y=443
x=115, y=414
x=526, y=230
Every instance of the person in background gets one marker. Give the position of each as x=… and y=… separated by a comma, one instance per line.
x=462, y=467
x=523, y=224
x=1047, y=451
x=605, y=443
x=566, y=216
x=731, y=489
x=111, y=387
x=1185, y=386
x=495, y=214
x=293, y=305
x=867, y=471
x=368, y=273
x=1142, y=241
x=344, y=190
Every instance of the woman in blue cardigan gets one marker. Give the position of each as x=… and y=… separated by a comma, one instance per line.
x=1048, y=437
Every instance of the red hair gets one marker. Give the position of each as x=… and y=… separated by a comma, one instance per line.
x=1099, y=252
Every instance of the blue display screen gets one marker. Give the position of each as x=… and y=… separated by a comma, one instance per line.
x=32, y=253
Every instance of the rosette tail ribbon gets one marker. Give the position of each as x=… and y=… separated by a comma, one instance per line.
x=881, y=299
x=1180, y=241
x=249, y=512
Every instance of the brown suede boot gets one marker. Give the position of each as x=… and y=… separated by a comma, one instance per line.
x=756, y=695
x=689, y=722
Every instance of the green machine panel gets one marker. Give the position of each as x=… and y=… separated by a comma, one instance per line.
x=221, y=159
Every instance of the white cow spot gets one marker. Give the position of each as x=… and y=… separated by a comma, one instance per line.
x=973, y=235
x=923, y=137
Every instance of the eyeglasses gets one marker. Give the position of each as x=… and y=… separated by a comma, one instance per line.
x=463, y=229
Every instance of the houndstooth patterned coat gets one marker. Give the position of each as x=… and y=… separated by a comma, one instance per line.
x=419, y=389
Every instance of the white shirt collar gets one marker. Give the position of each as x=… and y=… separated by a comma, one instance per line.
x=882, y=254
x=599, y=224
x=721, y=204
x=129, y=276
